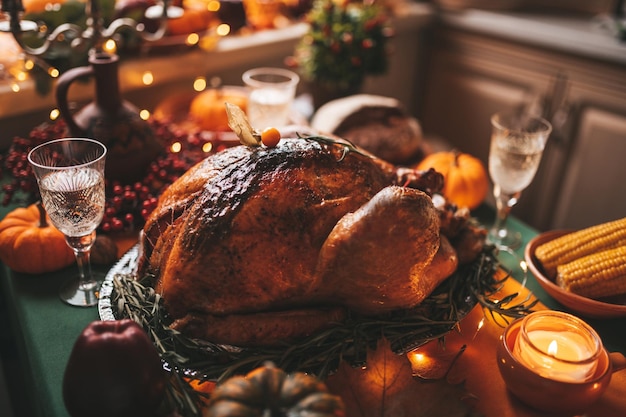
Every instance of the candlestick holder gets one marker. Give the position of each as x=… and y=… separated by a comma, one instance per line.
x=108, y=118
x=541, y=384
x=81, y=39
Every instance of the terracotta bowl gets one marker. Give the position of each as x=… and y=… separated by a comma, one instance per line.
x=582, y=305
x=570, y=398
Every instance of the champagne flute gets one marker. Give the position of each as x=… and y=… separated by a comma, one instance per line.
x=70, y=175
x=517, y=144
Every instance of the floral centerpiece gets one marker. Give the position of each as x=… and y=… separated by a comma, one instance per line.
x=347, y=41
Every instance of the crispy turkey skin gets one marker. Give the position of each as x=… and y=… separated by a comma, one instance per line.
x=252, y=238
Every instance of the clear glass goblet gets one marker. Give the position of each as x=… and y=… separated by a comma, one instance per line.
x=517, y=144
x=70, y=175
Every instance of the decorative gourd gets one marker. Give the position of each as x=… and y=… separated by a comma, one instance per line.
x=208, y=111
x=30, y=244
x=466, y=182
x=269, y=391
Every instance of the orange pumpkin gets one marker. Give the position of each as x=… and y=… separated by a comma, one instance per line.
x=30, y=244
x=207, y=109
x=466, y=182
x=269, y=391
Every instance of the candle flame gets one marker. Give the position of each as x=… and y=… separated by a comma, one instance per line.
x=552, y=348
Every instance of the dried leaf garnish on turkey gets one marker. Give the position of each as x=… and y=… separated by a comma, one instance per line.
x=240, y=124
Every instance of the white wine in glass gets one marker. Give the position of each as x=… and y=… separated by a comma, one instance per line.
x=517, y=144
x=70, y=175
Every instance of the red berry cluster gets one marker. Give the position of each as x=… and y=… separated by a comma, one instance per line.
x=22, y=184
x=127, y=205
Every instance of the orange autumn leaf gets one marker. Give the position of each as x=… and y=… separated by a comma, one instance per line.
x=386, y=388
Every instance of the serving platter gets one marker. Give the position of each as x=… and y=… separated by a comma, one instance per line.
x=320, y=353
x=606, y=308
x=126, y=265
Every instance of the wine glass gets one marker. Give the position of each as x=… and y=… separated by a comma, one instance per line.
x=70, y=175
x=517, y=144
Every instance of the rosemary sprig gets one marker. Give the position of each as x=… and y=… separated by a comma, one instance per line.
x=320, y=354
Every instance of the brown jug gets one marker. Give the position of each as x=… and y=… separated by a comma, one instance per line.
x=131, y=142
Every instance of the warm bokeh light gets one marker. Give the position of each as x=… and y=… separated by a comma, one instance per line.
x=53, y=72
x=52, y=7
x=29, y=64
x=192, y=39
x=176, y=147
x=199, y=84
x=21, y=76
x=213, y=6
x=15, y=87
x=417, y=357
x=207, y=147
x=223, y=29
x=109, y=46
x=144, y=114
x=147, y=78
x=54, y=114
x=480, y=325
x=420, y=361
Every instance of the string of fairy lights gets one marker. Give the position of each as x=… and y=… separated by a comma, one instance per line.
x=17, y=72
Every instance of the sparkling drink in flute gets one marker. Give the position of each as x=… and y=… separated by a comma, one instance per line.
x=74, y=200
x=70, y=175
x=517, y=144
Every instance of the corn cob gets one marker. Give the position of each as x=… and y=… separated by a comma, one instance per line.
x=581, y=243
x=601, y=274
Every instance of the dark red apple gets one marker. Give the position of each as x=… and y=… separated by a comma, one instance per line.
x=113, y=370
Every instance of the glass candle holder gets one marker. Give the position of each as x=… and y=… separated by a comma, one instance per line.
x=558, y=346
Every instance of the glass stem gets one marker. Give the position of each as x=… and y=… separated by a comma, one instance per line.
x=84, y=266
x=82, y=250
x=504, y=203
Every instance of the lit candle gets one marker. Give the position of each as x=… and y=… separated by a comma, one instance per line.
x=558, y=346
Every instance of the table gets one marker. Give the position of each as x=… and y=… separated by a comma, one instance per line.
x=43, y=331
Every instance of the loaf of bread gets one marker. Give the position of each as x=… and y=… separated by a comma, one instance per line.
x=376, y=123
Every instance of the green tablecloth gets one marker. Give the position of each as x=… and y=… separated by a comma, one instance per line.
x=42, y=331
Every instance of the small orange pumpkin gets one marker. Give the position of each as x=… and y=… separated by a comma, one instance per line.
x=466, y=182
x=207, y=109
x=269, y=391
x=30, y=244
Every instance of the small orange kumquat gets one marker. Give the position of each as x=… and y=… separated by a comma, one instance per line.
x=270, y=137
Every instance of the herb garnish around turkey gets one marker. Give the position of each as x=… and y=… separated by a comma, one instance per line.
x=321, y=353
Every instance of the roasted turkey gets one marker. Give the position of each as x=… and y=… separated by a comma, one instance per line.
x=257, y=245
